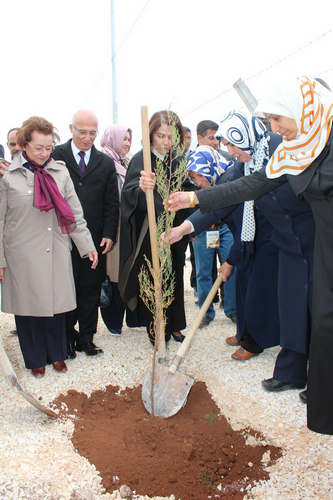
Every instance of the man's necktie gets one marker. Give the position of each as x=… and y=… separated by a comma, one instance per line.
x=82, y=163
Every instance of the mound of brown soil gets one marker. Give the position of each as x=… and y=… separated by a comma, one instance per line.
x=195, y=454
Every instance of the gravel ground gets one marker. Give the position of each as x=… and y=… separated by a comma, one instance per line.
x=38, y=460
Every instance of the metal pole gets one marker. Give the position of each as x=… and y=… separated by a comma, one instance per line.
x=246, y=95
x=114, y=73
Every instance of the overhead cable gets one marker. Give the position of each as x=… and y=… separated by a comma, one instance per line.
x=260, y=72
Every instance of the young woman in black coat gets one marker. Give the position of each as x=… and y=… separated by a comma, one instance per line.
x=134, y=232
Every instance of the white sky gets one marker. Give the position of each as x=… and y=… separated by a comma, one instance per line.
x=56, y=56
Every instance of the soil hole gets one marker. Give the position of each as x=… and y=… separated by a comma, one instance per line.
x=194, y=455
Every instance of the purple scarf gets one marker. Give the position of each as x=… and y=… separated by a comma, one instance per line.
x=47, y=196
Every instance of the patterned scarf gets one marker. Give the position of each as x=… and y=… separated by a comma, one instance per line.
x=207, y=162
x=48, y=196
x=311, y=106
x=252, y=138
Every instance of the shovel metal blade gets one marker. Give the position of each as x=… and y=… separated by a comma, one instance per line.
x=169, y=392
x=14, y=383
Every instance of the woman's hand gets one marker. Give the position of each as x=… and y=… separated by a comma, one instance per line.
x=93, y=256
x=177, y=201
x=108, y=244
x=2, y=279
x=225, y=269
x=178, y=232
x=146, y=181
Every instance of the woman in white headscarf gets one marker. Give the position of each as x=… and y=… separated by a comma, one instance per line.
x=252, y=253
x=294, y=231
x=301, y=110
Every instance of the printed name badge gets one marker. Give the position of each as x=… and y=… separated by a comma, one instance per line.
x=213, y=239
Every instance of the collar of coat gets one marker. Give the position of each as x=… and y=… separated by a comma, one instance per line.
x=19, y=161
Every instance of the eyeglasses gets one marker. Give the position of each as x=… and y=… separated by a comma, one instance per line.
x=82, y=133
x=39, y=149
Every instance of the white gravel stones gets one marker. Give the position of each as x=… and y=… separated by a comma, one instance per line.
x=38, y=460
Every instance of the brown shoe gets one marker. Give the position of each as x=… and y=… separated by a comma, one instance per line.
x=242, y=355
x=38, y=372
x=233, y=341
x=60, y=366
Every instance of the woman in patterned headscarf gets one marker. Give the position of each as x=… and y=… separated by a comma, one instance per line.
x=301, y=110
x=294, y=235
x=248, y=140
x=256, y=260
x=208, y=163
x=205, y=167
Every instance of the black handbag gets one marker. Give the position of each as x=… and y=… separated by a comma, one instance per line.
x=106, y=293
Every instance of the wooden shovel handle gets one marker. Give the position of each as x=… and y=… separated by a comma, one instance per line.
x=153, y=234
x=5, y=364
x=190, y=334
x=149, y=192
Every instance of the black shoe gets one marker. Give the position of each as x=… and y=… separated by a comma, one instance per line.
x=205, y=322
x=233, y=317
x=273, y=385
x=114, y=331
x=303, y=397
x=89, y=348
x=195, y=291
x=71, y=354
x=216, y=299
x=178, y=338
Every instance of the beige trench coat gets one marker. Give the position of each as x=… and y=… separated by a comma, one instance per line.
x=34, y=252
x=112, y=258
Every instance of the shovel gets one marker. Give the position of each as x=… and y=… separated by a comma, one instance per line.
x=170, y=388
x=12, y=381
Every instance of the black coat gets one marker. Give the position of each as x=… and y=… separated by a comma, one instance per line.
x=134, y=235
x=97, y=190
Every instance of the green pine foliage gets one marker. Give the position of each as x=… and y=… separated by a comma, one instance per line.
x=167, y=182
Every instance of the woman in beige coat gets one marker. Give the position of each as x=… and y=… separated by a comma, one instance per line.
x=38, y=210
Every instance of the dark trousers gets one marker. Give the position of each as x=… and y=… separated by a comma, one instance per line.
x=136, y=318
x=249, y=344
x=86, y=314
x=42, y=339
x=113, y=315
x=291, y=366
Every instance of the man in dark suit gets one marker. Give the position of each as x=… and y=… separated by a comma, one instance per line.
x=95, y=181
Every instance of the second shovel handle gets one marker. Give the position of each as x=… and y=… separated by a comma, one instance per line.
x=5, y=364
x=195, y=325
